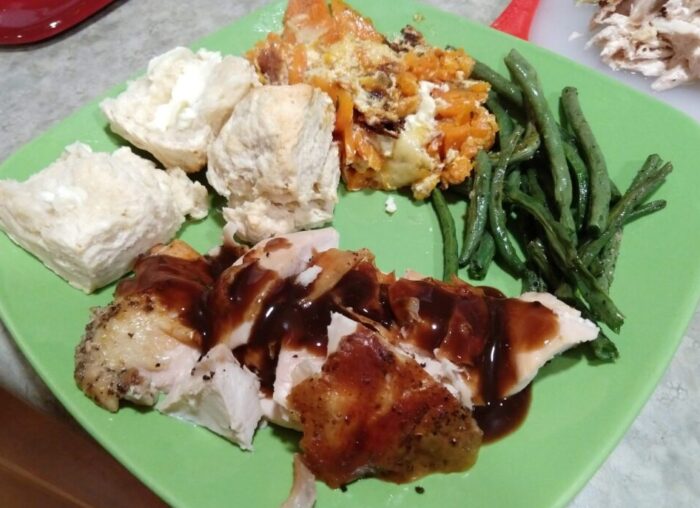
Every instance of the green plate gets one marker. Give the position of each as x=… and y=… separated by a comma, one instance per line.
x=579, y=410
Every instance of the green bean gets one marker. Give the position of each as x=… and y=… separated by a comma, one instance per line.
x=567, y=294
x=531, y=281
x=514, y=178
x=615, y=193
x=603, y=348
x=635, y=195
x=651, y=164
x=482, y=258
x=526, y=149
x=592, y=154
x=503, y=119
x=608, y=260
x=652, y=182
x=526, y=77
x=555, y=233
x=601, y=305
x=449, y=236
x=538, y=255
x=651, y=190
x=529, y=145
x=580, y=172
x=566, y=258
x=499, y=83
x=477, y=213
x=497, y=216
x=645, y=209
x=534, y=187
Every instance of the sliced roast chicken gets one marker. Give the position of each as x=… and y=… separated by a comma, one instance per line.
x=143, y=342
x=308, y=336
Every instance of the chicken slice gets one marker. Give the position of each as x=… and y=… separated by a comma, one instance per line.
x=146, y=339
x=303, y=493
x=573, y=329
x=476, y=341
x=293, y=367
x=219, y=394
x=264, y=265
x=374, y=412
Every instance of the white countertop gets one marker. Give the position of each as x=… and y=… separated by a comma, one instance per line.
x=657, y=462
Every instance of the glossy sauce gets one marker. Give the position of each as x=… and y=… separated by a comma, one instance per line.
x=181, y=285
x=500, y=418
x=390, y=411
x=476, y=328
x=287, y=314
x=480, y=330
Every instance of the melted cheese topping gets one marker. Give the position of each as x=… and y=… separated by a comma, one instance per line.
x=401, y=107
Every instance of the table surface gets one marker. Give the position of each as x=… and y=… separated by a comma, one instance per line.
x=656, y=463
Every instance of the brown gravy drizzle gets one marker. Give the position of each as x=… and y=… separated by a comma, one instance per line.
x=180, y=284
x=497, y=420
x=475, y=327
x=481, y=330
x=289, y=316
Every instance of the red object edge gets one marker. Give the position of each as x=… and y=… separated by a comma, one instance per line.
x=28, y=21
x=516, y=19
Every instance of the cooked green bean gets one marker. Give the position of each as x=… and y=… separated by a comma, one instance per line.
x=601, y=305
x=651, y=164
x=531, y=281
x=592, y=154
x=566, y=258
x=567, y=294
x=528, y=146
x=580, y=172
x=526, y=77
x=481, y=260
x=635, y=195
x=526, y=149
x=603, y=348
x=645, y=209
x=538, y=255
x=615, y=193
x=603, y=267
x=478, y=211
x=608, y=260
x=497, y=216
x=514, y=178
x=449, y=236
x=555, y=233
x=503, y=119
x=499, y=83
x=534, y=187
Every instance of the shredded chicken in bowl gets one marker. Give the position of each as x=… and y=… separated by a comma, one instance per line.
x=654, y=37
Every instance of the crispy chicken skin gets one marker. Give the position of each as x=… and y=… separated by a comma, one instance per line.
x=374, y=412
x=380, y=373
x=138, y=345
